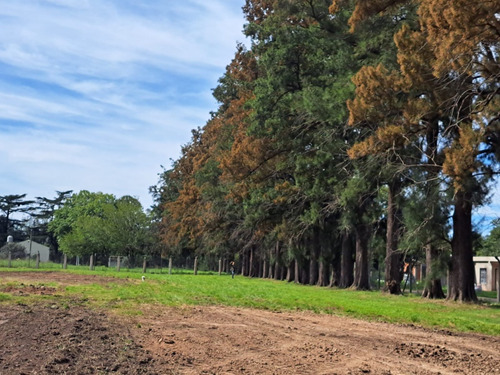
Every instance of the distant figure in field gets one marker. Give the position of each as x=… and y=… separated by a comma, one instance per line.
x=231, y=267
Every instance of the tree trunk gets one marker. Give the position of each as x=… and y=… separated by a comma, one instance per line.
x=393, y=256
x=277, y=270
x=321, y=274
x=347, y=266
x=324, y=267
x=304, y=273
x=313, y=262
x=362, y=276
x=296, y=272
x=250, y=263
x=289, y=271
x=247, y=263
x=461, y=287
x=332, y=279
x=334, y=271
x=259, y=267
x=432, y=288
x=264, y=269
x=313, y=271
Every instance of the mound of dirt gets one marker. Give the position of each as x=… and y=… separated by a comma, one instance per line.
x=48, y=339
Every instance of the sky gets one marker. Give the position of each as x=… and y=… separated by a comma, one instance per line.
x=98, y=95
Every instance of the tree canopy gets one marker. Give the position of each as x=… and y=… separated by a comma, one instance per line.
x=346, y=127
x=97, y=223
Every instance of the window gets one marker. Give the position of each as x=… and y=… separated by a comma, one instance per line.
x=482, y=276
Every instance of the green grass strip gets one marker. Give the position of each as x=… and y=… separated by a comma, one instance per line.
x=210, y=289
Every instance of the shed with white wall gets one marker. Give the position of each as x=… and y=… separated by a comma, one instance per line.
x=35, y=249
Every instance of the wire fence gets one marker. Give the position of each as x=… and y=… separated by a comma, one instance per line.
x=171, y=265
x=143, y=264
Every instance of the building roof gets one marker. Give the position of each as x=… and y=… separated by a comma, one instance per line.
x=35, y=246
x=483, y=259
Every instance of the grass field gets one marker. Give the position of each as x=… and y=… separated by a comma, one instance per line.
x=180, y=289
x=484, y=294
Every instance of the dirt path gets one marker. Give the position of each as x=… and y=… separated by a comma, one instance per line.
x=217, y=340
x=49, y=339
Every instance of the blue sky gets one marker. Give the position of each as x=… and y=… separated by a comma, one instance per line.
x=98, y=94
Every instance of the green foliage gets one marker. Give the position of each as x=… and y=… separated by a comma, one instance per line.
x=77, y=206
x=9, y=225
x=324, y=131
x=490, y=245
x=17, y=251
x=99, y=223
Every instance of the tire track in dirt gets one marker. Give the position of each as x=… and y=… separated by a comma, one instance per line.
x=222, y=340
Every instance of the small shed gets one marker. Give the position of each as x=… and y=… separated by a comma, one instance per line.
x=35, y=249
x=487, y=271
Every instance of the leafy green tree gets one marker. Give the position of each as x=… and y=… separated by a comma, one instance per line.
x=126, y=228
x=99, y=223
x=78, y=225
x=82, y=204
x=86, y=237
x=490, y=245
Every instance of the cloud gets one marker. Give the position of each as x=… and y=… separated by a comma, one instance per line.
x=98, y=94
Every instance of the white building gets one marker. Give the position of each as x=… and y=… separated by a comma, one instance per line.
x=35, y=249
x=487, y=271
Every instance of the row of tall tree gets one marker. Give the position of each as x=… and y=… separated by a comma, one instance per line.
x=348, y=134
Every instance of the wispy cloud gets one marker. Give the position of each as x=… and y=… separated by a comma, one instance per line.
x=98, y=94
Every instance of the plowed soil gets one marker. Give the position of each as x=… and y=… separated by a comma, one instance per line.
x=49, y=338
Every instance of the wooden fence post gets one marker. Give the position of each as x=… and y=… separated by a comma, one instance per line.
x=65, y=261
x=497, y=274
x=118, y=264
x=196, y=265
x=91, y=266
x=144, y=265
x=38, y=260
x=448, y=286
x=220, y=266
x=498, y=282
x=10, y=259
x=170, y=265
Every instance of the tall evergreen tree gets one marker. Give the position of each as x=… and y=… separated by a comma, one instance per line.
x=10, y=205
